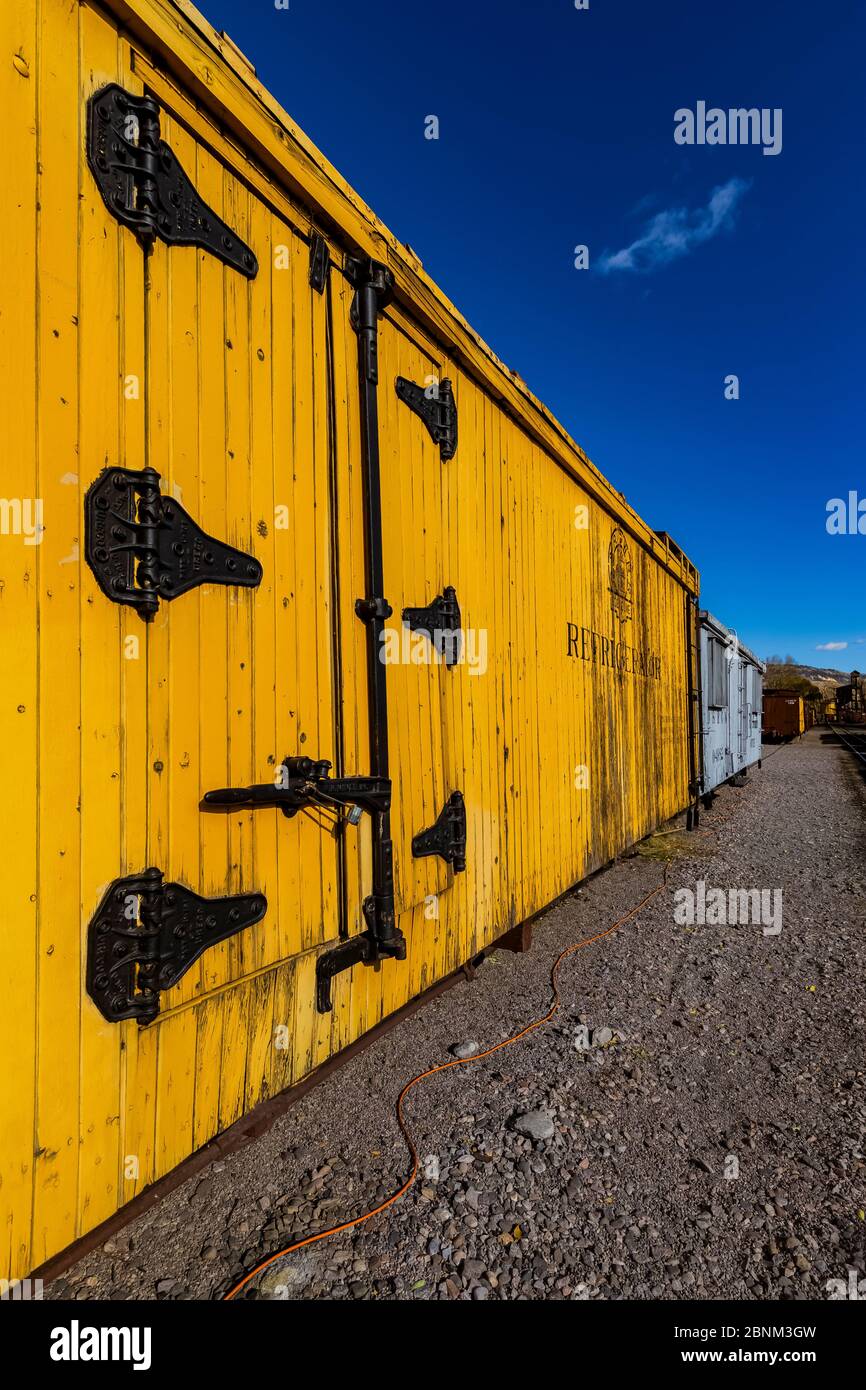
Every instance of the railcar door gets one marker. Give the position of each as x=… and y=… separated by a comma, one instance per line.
x=180, y=637
x=240, y=675
x=743, y=711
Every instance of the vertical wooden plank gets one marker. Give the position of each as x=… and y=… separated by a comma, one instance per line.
x=265, y=945
x=110, y=260
x=310, y=1030
x=138, y=1155
x=288, y=525
x=209, y=1036
x=56, y=85
x=469, y=525
x=356, y=1005
x=19, y=675
x=166, y=1062
x=214, y=692
x=314, y=734
x=175, y=348
x=138, y=1046
x=259, y=1046
x=282, y=1040
x=236, y=528
x=177, y=1076
x=322, y=595
x=235, y=1010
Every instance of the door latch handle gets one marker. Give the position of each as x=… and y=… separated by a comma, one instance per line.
x=302, y=782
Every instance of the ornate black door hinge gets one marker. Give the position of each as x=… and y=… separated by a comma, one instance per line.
x=437, y=408
x=441, y=622
x=143, y=185
x=320, y=262
x=143, y=547
x=301, y=782
x=146, y=934
x=447, y=837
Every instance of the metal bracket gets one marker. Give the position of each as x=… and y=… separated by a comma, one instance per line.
x=301, y=782
x=441, y=621
x=369, y=609
x=146, y=934
x=382, y=939
x=363, y=949
x=143, y=185
x=320, y=262
x=447, y=838
x=438, y=411
x=374, y=290
x=132, y=532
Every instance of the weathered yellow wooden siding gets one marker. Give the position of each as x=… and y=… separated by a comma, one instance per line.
x=244, y=396
x=19, y=669
x=519, y=735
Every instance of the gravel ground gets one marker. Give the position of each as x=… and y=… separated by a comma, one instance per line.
x=707, y=1143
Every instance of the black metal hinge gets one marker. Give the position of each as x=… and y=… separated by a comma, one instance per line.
x=132, y=533
x=441, y=622
x=320, y=262
x=300, y=783
x=437, y=408
x=146, y=934
x=143, y=185
x=447, y=838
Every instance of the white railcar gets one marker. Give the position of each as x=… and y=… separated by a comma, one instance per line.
x=732, y=681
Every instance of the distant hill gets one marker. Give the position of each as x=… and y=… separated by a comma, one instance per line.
x=783, y=675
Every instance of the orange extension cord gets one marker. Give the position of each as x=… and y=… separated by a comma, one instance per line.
x=422, y=1076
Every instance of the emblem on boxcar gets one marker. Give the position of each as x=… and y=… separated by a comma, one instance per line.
x=619, y=569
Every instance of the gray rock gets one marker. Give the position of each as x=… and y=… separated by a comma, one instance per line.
x=536, y=1124
x=465, y=1049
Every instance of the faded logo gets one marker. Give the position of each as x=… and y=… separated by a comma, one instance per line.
x=620, y=577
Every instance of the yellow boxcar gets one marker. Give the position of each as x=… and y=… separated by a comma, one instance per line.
x=268, y=499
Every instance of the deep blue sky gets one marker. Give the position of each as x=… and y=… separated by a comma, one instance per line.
x=556, y=128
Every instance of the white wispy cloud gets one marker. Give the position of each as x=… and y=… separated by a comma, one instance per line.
x=831, y=646
x=671, y=234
